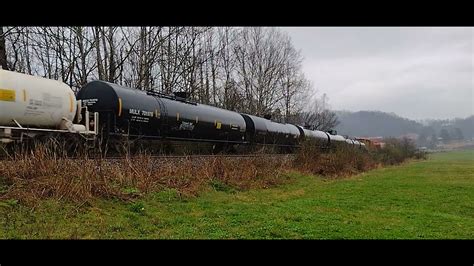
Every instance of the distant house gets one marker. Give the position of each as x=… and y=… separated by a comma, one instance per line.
x=375, y=142
x=410, y=136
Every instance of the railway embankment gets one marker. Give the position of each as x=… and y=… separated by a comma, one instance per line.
x=43, y=174
x=420, y=199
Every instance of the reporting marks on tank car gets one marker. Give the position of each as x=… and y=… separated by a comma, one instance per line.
x=89, y=102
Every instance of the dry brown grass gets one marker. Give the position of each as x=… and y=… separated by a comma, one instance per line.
x=42, y=174
x=340, y=162
x=47, y=173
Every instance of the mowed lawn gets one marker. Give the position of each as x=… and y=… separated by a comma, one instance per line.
x=432, y=199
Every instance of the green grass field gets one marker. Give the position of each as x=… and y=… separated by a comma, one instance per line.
x=432, y=199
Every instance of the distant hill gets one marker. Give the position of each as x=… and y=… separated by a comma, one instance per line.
x=375, y=123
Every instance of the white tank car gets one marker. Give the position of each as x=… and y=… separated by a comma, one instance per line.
x=34, y=101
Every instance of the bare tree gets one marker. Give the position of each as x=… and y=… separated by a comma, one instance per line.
x=252, y=70
x=318, y=116
x=3, y=50
x=228, y=95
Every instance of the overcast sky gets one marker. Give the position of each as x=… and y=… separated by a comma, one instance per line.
x=414, y=72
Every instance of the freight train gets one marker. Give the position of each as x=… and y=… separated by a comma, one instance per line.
x=33, y=107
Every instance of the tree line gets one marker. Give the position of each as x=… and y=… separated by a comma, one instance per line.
x=255, y=70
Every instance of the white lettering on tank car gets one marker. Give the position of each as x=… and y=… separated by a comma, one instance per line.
x=133, y=111
x=186, y=126
x=89, y=102
x=147, y=113
x=140, y=112
x=140, y=119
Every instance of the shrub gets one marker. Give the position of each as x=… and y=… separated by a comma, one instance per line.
x=345, y=160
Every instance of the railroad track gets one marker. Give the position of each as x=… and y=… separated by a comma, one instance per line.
x=193, y=156
x=165, y=157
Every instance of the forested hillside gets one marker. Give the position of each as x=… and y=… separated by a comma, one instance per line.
x=376, y=123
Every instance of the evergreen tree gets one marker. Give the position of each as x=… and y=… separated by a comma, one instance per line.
x=444, y=134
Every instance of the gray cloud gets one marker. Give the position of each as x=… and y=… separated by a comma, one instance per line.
x=414, y=72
